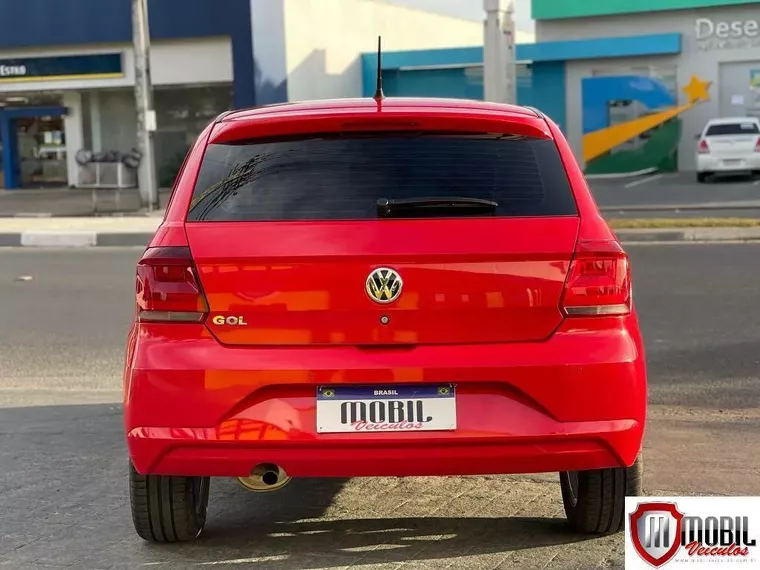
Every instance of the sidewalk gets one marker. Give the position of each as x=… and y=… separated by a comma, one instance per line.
x=78, y=232
x=72, y=202
x=137, y=231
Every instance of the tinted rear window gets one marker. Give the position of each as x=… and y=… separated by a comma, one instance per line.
x=342, y=178
x=748, y=128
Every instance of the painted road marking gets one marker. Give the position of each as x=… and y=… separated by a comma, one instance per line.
x=644, y=181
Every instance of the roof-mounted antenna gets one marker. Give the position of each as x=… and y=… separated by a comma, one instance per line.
x=379, y=95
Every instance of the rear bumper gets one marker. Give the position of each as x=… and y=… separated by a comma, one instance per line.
x=708, y=163
x=207, y=452
x=195, y=407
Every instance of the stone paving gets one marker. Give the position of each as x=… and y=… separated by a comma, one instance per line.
x=64, y=505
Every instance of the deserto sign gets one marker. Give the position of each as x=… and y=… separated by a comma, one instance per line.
x=737, y=29
x=719, y=532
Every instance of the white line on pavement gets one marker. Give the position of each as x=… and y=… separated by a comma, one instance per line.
x=643, y=181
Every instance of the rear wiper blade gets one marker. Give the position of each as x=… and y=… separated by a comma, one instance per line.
x=387, y=208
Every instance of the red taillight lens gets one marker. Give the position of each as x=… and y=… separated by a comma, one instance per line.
x=168, y=288
x=599, y=281
x=757, y=146
x=703, y=147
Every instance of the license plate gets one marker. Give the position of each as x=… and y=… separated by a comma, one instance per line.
x=386, y=409
x=732, y=161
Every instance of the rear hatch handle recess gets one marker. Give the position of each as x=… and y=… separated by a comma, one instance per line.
x=387, y=208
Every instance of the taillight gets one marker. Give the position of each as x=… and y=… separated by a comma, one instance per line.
x=599, y=281
x=703, y=147
x=757, y=146
x=168, y=288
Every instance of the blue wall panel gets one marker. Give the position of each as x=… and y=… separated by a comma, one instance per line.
x=399, y=60
x=547, y=91
x=543, y=87
x=39, y=23
x=453, y=83
x=599, y=48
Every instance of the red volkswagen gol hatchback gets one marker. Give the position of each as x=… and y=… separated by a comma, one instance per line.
x=390, y=287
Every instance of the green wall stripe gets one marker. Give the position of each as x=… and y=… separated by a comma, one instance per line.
x=659, y=152
x=557, y=9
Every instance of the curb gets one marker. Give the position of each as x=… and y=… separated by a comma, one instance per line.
x=75, y=239
x=39, y=215
x=621, y=175
x=703, y=207
x=688, y=235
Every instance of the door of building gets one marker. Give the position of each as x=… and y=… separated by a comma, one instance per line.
x=41, y=151
x=740, y=89
x=34, y=147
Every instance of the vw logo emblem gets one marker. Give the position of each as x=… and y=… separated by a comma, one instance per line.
x=384, y=285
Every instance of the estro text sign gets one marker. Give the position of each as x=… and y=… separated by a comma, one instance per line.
x=87, y=66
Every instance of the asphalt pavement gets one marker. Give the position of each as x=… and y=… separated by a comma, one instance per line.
x=63, y=320
x=655, y=195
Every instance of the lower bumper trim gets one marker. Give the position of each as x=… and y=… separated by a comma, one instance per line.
x=617, y=448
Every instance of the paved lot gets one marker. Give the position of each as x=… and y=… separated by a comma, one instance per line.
x=62, y=456
x=676, y=189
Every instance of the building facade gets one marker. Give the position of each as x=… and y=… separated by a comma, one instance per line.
x=67, y=77
x=630, y=82
x=702, y=62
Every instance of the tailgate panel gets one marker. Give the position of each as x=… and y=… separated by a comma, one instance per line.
x=464, y=280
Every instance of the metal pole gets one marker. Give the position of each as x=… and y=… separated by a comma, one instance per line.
x=493, y=85
x=146, y=116
x=511, y=56
x=499, y=72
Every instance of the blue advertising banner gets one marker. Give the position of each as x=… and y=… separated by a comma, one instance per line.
x=98, y=66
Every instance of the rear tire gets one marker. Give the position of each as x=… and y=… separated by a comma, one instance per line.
x=167, y=508
x=595, y=500
x=702, y=177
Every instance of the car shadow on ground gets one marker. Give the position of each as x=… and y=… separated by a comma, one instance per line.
x=80, y=517
x=732, y=178
x=343, y=542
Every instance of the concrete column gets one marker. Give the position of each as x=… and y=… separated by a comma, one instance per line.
x=72, y=125
x=499, y=61
x=95, y=122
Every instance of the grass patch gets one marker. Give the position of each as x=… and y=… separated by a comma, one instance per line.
x=668, y=223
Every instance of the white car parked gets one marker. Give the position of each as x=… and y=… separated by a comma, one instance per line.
x=729, y=146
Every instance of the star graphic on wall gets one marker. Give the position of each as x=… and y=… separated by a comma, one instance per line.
x=697, y=90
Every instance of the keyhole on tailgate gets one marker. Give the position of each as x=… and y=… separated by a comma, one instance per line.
x=385, y=319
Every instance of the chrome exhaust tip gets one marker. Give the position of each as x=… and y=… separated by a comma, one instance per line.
x=265, y=477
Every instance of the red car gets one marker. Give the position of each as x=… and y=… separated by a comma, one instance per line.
x=382, y=287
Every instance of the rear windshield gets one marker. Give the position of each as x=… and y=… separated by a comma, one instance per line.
x=343, y=177
x=748, y=128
